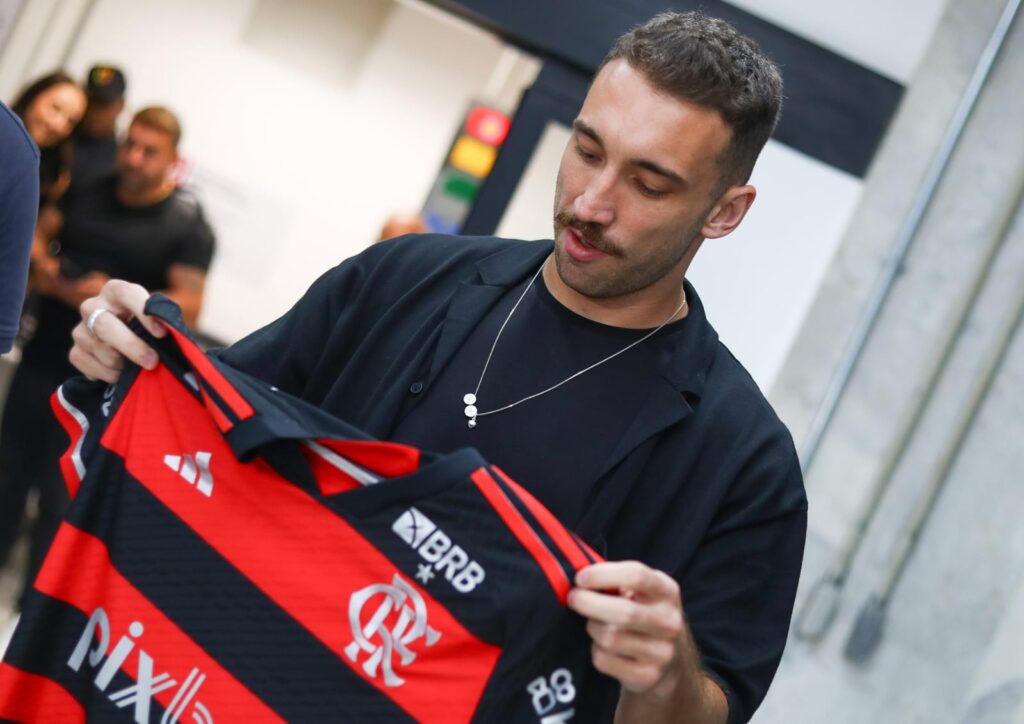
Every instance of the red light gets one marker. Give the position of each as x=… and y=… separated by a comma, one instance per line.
x=488, y=125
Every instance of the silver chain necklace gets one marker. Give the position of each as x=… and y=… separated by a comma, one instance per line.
x=470, y=398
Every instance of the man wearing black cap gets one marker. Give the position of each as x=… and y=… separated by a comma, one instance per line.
x=96, y=137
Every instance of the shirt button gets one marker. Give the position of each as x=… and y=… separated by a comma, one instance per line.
x=416, y=388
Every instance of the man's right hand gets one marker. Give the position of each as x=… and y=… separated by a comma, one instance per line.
x=100, y=354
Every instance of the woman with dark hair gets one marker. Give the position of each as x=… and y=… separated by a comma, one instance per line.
x=50, y=108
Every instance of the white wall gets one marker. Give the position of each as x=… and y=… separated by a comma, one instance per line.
x=888, y=36
x=298, y=170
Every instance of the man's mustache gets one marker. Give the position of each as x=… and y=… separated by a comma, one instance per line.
x=589, y=230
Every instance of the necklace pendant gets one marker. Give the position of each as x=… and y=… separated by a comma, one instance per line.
x=469, y=398
x=470, y=410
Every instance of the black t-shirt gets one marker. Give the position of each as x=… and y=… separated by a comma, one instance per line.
x=94, y=158
x=543, y=343
x=137, y=244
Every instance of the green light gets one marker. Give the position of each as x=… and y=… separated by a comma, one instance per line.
x=461, y=188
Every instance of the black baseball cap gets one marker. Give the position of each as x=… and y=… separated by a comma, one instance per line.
x=105, y=84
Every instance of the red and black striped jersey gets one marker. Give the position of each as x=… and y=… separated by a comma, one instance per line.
x=234, y=554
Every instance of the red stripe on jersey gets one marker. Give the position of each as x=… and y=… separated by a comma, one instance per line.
x=27, y=697
x=78, y=571
x=223, y=423
x=305, y=558
x=524, y=532
x=562, y=538
x=75, y=425
x=389, y=459
x=202, y=365
x=329, y=478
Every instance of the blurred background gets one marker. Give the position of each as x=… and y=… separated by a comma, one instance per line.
x=875, y=291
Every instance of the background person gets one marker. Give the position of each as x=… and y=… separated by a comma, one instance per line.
x=402, y=223
x=134, y=224
x=19, y=201
x=96, y=137
x=51, y=108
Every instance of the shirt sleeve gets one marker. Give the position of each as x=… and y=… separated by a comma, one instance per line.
x=197, y=244
x=738, y=592
x=19, y=204
x=285, y=352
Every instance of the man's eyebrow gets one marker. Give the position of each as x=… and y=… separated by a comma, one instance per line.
x=661, y=171
x=581, y=127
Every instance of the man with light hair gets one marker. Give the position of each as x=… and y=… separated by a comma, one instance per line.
x=134, y=225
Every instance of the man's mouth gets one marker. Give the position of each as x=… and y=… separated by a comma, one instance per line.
x=580, y=248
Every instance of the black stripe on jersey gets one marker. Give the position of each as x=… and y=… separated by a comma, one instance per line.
x=47, y=634
x=583, y=548
x=176, y=362
x=263, y=647
x=512, y=579
x=528, y=516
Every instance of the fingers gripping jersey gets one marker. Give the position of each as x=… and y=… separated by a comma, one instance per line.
x=233, y=554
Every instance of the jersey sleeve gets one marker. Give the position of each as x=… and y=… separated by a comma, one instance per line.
x=83, y=408
x=285, y=352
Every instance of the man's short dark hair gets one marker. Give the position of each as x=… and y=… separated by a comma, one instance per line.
x=708, y=62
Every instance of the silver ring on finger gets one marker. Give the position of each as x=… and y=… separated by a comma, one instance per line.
x=90, y=321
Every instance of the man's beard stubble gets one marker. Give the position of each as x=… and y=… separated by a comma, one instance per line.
x=630, y=278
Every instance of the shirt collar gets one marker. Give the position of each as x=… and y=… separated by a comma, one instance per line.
x=688, y=367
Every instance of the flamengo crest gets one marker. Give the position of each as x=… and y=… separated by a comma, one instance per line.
x=371, y=634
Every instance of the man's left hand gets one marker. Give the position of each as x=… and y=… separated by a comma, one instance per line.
x=635, y=618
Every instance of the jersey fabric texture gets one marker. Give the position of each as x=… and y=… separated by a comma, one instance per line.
x=234, y=554
x=704, y=482
x=19, y=202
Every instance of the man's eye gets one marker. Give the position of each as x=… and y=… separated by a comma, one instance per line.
x=648, y=191
x=585, y=155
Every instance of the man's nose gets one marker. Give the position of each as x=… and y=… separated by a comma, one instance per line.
x=596, y=203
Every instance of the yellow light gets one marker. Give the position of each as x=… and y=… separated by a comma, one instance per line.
x=472, y=156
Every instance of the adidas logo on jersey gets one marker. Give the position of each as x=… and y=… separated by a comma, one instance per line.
x=93, y=647
x=194, y=470
x=438, y=550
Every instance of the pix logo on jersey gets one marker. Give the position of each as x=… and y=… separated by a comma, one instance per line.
x=94, y=644
x=438, y=550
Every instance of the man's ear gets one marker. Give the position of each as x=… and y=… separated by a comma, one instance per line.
x=728, y=211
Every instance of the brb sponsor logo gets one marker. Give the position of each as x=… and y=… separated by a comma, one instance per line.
x=94, y=646
x=387, y=619
x=437, y=549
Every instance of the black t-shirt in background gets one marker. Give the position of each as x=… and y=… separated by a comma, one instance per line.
x=94, y=158
x=137, y=244
x=543, y=343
